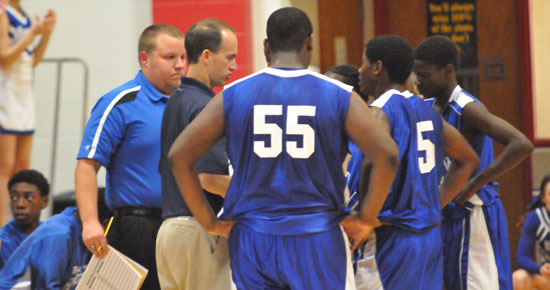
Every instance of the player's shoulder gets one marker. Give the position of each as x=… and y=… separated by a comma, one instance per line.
x=460, y=98
x=244, y=80
x=311, y=76
x=389, y=97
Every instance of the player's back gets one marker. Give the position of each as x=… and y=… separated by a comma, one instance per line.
x=413, y=202
x=286, y=142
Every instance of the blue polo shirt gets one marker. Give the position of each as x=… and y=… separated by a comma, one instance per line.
x=123, y=135
x=182, y=108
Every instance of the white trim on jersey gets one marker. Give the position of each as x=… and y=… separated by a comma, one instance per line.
x=368, y=275
x=350, y=279
x=104, y=117
x=243, y=79
x=383, y=99
x=292, y=74
x=482, y=272
x=407, y=94
x=461, y=252
x=460, y=97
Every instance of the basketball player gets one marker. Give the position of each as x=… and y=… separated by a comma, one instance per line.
x=408, y=244
x=475, y=236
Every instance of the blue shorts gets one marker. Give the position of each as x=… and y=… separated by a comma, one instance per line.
x=476, y=250
x=313, y=261
x=409, y=260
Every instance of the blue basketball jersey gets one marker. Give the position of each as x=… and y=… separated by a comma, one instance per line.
x=482, y=144
x=286, y=141
x=413, y=201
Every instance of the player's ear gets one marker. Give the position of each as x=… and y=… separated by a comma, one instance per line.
x=206, y=56
x=44, y=202
x=267, y=51
x=450, y=70
x=377, y=67
x=309, y=43
x=144, y=58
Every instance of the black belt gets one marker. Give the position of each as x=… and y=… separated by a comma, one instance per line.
x=138, y=211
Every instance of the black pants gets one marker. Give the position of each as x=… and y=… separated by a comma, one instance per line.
x=135, y=237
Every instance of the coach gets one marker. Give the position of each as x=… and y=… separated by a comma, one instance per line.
x=123, y=135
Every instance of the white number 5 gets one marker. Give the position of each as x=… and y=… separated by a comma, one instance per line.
x=427, y=163
x=276, y=133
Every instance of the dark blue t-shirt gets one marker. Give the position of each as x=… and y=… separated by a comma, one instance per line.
x=182, y=107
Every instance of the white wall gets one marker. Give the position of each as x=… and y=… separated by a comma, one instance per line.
x=104, y=34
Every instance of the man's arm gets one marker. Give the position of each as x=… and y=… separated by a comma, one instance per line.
x=475, y=117
x=86, y=199
x=373, y=139
x=193, y=143
x=464, y=162
x=215, y=183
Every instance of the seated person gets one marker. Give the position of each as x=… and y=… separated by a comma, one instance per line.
x=28, y=191
x=55, y=252
x=535, y=233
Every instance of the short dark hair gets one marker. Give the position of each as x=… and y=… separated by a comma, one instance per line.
x=32, y=177
x=396, y=54
x=205, y=34
x=149, y=35
x=438, y=50
x=350, y=75
x=288, y=29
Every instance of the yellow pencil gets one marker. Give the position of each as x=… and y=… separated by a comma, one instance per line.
x=109, y=226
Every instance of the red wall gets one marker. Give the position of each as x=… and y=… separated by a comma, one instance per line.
x=182, y=14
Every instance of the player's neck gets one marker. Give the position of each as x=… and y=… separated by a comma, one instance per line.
x=285, y=59
x=29, y=228
x=383, y=87
x=442, y=100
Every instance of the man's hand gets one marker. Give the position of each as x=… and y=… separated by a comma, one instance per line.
x=94, y=238
x=465, y=194
x=357, y=230
x=222, y=228
x=545, y=270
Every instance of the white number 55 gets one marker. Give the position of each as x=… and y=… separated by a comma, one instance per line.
x=276, y=133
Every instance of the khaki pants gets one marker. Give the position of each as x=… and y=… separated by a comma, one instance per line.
x=190, y=258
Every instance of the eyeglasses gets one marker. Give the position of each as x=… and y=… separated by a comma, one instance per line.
x=29, y=197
